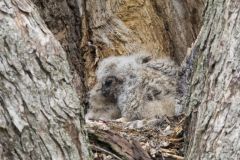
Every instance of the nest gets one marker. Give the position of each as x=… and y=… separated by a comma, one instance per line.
x=112, y=140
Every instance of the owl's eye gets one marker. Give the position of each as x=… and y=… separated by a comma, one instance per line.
x=108, y=82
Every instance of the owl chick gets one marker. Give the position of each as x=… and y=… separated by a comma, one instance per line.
x=134, y=87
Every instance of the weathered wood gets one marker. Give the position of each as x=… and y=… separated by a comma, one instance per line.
x=63, y=20
x=212, y=99
x=120, y=147
x=40, y=112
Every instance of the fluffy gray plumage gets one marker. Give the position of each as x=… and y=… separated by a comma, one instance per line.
x=133, y=87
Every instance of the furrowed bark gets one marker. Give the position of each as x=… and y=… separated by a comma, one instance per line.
x=63, y=19
x=213, y=73
x=40, y=112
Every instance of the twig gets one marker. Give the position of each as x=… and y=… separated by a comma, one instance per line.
x=174, y=156
x=175, y=139
x=96, y=148
x=167, y=151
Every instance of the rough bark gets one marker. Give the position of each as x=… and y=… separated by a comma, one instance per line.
x=40, y=112
x=213, y=73
x=63, y=19
x=120, y=147
x=162, y=28
x=182, y=20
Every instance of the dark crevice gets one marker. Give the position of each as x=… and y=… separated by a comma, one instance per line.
x=56, y=141
x=54, y=67
x=44, y=149
x=43, y=69
x=6, y=43
x=18, y=154
x=29, y=74
x=6, y=113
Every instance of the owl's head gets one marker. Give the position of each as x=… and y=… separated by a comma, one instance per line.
x=114, y=72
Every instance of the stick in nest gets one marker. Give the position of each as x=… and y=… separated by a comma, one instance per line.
x=96, y=148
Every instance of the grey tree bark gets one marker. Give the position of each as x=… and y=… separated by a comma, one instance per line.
x=63, y=19
x=212, y=72
x=40, y=112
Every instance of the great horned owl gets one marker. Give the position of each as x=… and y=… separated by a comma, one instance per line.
x=133, y=87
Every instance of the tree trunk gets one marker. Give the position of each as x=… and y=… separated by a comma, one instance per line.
x=116, y=27
x=40, y=112
x=213, y=74
x=63, y=19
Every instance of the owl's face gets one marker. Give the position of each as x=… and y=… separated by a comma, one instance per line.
x=111, y=86
x=115, y=72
